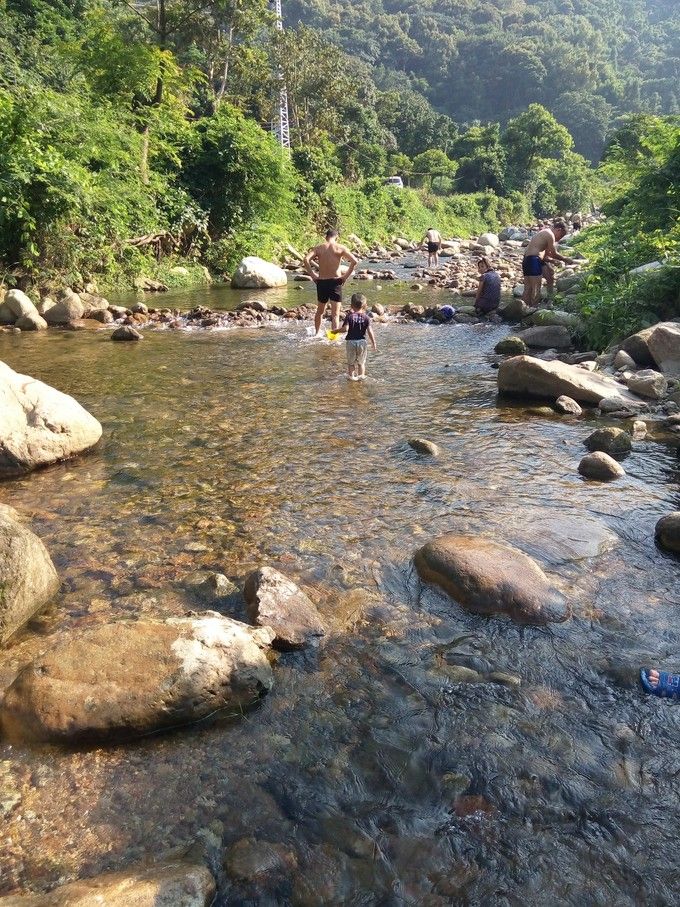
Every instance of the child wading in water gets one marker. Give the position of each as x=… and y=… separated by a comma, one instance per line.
x=357, y=324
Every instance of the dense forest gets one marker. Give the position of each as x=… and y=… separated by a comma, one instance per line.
x=586, y=61
x=134, y=135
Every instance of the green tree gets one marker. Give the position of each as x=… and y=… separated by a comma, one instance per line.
x=432, y=165
x=529, y=138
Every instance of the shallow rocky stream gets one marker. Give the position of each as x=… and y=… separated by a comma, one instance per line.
x=424, y=755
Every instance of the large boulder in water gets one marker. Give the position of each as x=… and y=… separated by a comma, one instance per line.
x=275, y=601
x=532, y=377
x=128, y=678
x=257, y=274
x=170, y=883
x=28, y=579
x=489, y=577
x=39, y=425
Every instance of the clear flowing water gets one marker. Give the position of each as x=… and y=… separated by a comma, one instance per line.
x=389, y=764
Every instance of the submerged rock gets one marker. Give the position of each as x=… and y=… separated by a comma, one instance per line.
x=128, y=678
x=28, y=579
x=172, y=883
x=275, y=601
x=533, y=377
x=257, y=274
x=39, y=424
x=423, y=446
x=600, y=466
x=667, y=532
x=489, y=577
x=613, y=441
x=261, y=864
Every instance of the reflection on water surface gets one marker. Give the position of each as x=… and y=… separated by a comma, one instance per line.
x=426, y=755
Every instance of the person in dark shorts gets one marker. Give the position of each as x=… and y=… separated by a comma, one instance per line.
x=433, y=238
x=358, y=326
x=540, y=247
x=488, y=289
x=330, y=277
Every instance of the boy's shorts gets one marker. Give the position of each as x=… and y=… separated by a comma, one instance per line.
x=357, y=350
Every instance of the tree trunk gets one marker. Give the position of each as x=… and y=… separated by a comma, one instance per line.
x=225, y=73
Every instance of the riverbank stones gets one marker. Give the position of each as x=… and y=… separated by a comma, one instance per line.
x=600, y=466
x=128, y=678
x=489, y=577
x=39, y=424
x=648, y=383
x=274, y=601
x=28, y=579
x=612, y=441
x=171, y=883
x=667, y=532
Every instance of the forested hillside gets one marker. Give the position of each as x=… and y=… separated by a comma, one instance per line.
x=135, y=135
x=587, y=61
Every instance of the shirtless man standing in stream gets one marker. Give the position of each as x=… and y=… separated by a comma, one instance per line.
x=328, y=257
x=541, y=247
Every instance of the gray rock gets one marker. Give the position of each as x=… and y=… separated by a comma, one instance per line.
x=39, y=424
x=613, y=441
x=126, y=332
x=600, y=466
x=529, y=376
x=210, y=586
x=624, y=360
x=567, y=406
x=31, y=322
x=139, y=309
x=667, y=532
x=489, y=577
x=45, y=304
x=423, y=446
x=171, y=883
x=28, y=579
x=639, y=430
x=656, y=346
x=648, y=383
x=19, y=303
x=548, y=337
x=255, y=273
x=275, y=601
x=129, y=678
x=511, y=346
x=68, y=309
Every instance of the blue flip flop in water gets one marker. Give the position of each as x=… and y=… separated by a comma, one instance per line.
x=668, y=685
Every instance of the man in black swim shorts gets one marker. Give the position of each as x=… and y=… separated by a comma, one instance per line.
x=433, y=238
x=330, y=278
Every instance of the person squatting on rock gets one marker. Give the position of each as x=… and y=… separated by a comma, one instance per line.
x=357, y=325
x=541, y=247
x=489, y=288
x=433, y=238
x=330, y=278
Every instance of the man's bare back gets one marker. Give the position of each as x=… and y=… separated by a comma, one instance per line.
x=328, y=257
x=542, y=242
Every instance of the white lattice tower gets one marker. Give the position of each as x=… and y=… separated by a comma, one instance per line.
x=280, y=125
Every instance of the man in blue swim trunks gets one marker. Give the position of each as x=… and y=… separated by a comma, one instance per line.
x=541, y=247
